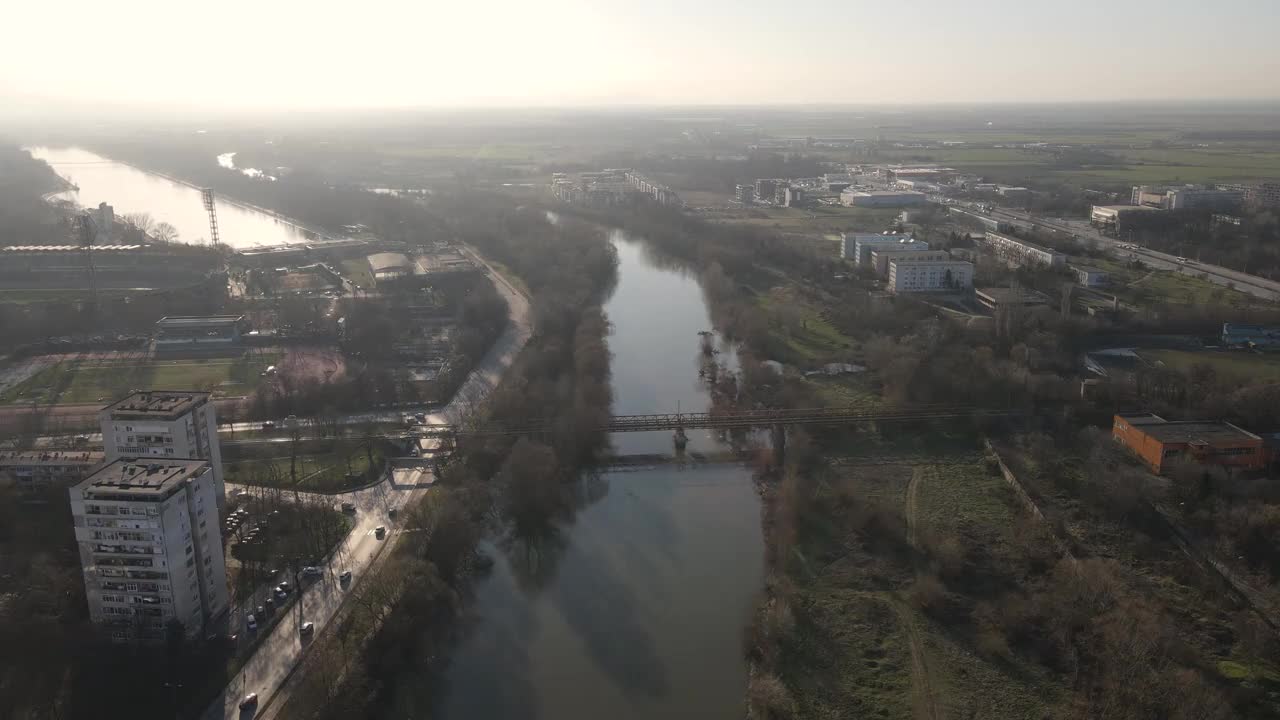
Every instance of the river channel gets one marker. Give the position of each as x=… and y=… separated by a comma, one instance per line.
x=641, y=614
x=130, y=190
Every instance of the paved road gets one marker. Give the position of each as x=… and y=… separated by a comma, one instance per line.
x=267, y=672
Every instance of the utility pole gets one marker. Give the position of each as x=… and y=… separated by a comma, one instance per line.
x=88, y=233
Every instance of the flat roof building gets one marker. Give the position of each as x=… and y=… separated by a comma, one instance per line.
x=881, y=257
x=859, y=246
x=1161, y=443
x=32, y=470
x=881, y=198
x=1017, y=252
x=1187, y=197
x=150, y=547
x=929, y=276
x=389, y=266
x=164, y=424
x=998, y=298
x=1089, y=276
x=198, y=333
x=1112, y=217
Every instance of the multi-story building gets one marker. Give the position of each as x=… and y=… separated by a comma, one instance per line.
x=1266, y=194
x=1160, y=443
x=859, y=246
x=929, y=276
x=881, y=257
x=1022, y=253
x=881, y=198
x=150, y=547
x=745, y=194
x=32, y=470
x=765, y=188
x=1115, y=217
x=794, y=196
x=1187, y=197
x=1089, y=276
x=164, y=424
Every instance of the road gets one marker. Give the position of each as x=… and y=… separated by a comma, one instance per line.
x=267, y=671
x=1244, y=282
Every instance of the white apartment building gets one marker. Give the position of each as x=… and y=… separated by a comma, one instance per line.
x=1021, y=253
x=150, y=547
x=164, y=424
x=859, y=246
x=929, y=276
x=881, y=257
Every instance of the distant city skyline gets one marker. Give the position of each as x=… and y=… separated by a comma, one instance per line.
x=289, y=54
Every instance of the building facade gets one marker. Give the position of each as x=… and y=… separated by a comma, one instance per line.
x=859, y=246
x=1263, y=195
x=1089, y=276
x=1022, y=253
x=929, y=276
x=1240, y=335
x=150, y=547
x=1186, y=197
x=33, y=470
x=881, y=257
x=198, y=333
x=745, y=194
x=881, y=198
x=1162, y=444
x=1114, y=217
x=164, y=425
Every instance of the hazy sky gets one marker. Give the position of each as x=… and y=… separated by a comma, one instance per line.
x=373, y=53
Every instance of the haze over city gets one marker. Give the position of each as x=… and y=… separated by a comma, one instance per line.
x=297, y=55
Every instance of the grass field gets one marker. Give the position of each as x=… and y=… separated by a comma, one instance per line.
x=344, y=466
x=357, y=271
x=819, y=219
x=1140, y=287
x=807, y=336
x=1240, y=365
x=76, y=381
x=27, y=297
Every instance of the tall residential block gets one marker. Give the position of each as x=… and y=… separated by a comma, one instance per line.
x=165, y=424
x=150, y=547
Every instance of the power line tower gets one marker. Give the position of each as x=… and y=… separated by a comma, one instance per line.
x=207, y=195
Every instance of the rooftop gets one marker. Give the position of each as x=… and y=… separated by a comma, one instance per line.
x=157, y=404
x=1192, y=431
x=197, y=321
x=68, y=248
x=1125, y=208
x=383, y=262
x=1020, y=241
x=49, y=457
x=126, y=478
x=1025, y=296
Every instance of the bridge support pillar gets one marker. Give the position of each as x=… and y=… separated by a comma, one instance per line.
x=779, y=435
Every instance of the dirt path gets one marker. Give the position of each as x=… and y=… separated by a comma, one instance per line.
x=912, y=505
x=924, y=701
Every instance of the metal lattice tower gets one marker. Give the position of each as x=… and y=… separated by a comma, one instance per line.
x=88, y=233
x=207, y=195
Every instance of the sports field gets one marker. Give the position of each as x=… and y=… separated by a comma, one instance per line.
x=100, y=377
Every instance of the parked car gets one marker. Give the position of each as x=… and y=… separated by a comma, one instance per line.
x=392, y=512
x=311, y=571
x=269, y=425
x=271, y=603
x=348, y=507
x=344, y=577
x=307, y=628
x=284, y=584
x=380, y=532
x=249, y=702
x=251, y=622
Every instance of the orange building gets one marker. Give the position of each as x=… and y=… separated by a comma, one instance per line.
x=1161, y=443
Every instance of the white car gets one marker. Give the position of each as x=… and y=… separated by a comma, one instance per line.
x=307, y=628
x=311, y=571
x=251, y=623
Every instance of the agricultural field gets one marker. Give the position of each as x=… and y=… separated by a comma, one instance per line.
x=98, y=377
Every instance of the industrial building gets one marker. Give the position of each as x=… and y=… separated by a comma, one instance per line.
x=389, y=266
x=850, y=197
x=859, y=246
x=1161, y=444
x=1023, y=253
x=113, y=266
x=1015, y=195
x=929, y=276
x=881, y=257
x=1089, y=276
x=33, y=470
x=198, y=333
x=150, y=547
x=1186, y=197
x=164, y=424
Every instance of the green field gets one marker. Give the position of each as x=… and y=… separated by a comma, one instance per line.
x=76, y=381
x=1241, y=365
x=807, y=337
x=342, y=467
x=818, y=219
x=357, y=271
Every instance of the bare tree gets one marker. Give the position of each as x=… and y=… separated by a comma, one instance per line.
x=164, y=232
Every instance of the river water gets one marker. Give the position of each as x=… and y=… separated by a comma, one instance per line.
x=130, y=190
x=641, y=612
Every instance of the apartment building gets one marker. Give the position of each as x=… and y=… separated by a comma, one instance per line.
x=164, y=424
x=150, y=548
x=1161, y=443
x=1022, y=253
x=859, y=246
x=929, y=276
x=881, y=257
x=33, y=470
x=1187, y=197
x=1265, y=194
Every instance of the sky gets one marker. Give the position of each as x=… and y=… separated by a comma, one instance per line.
x=288, y=54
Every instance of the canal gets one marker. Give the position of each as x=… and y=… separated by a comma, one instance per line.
x=640, y=611
x=130, y=190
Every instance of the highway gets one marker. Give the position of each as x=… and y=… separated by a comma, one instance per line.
x=268, y=671
x=1244, y=282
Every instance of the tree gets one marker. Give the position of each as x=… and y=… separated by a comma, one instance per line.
x=531, y=482
x=164, y=232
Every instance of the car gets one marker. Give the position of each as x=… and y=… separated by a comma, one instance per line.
x=311, y=571
x=392, y=512
x=251, y=622
x=271, y=603
x=344, y=577
x=268, y=425
x=380, y=532
x=421, y=418
x=284, y=584
x=348, y=507
x=307, y=628
x=1181, y=259
x=249, y=702
x=261, y=611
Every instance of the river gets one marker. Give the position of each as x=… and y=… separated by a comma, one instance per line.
x=130, y=190
x=641, y=611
